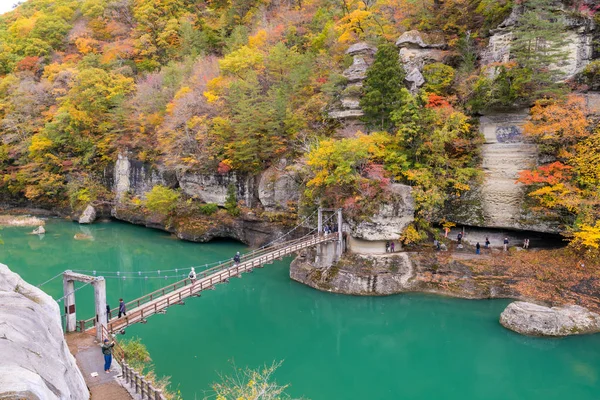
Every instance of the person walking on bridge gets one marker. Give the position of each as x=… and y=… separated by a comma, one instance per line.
x=122, y=308
x=237, y=258
x=192, y=275
x=107, y=351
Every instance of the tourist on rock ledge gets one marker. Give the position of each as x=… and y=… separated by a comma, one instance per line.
x=487, y=242
x=392, y=247
x=505, y=243
x=387, y=247
x=477, y=248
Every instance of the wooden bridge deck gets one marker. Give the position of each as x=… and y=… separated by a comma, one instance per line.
x=173, y=294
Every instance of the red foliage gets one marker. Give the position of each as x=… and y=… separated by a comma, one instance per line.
x=551, y=174
x=223, y=168
x=29, y=63
x=436, y=101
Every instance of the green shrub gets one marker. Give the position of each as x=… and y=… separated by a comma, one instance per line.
x=161, y=199
x=231, y=204
x=591, y=75
x=438, y=78
x=208, y=209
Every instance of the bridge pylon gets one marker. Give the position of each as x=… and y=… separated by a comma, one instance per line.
x=328, y=253
x=99, y=284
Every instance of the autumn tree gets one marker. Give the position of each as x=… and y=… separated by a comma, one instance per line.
x=382, y=90
x=539, y=41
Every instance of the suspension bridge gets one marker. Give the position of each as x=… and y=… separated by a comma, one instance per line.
x=138, y=310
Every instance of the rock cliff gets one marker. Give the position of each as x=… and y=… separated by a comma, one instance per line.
x=579, y=47
x=36, y=363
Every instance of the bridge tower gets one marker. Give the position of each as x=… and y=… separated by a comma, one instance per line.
x=328, y=253
x=99, y=284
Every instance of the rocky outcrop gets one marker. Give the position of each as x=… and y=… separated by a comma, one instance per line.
x=357, y=274
x=415, y=53
x=579, y=41
x=88, y=215
x=362, y=57
x=391, y=220
x=36, y=363
x=279, y=188
x=535, y=320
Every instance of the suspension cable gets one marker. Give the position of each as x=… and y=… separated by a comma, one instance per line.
x=176, y=270
x=68, y=294
x=49, y=280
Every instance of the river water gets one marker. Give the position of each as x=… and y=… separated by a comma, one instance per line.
x=332, y=346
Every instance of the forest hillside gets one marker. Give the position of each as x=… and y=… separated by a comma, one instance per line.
x=239, y=86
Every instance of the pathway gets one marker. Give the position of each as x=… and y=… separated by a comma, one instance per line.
x=89, y=359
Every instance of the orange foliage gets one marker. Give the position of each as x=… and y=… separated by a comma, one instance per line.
x=558, y=121
x=551, y=174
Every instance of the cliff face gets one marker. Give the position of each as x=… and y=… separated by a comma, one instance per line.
x=275, y=190
x=36, y=363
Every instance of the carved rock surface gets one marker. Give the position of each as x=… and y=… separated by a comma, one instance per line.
x=535, y=320
x=88, y=215
x=391, y=220
x=36, y=363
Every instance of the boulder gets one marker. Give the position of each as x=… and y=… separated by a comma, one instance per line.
x=535, y=320
x=391, y=220
x=278, y=188
x=88, y=215
x=36, y=363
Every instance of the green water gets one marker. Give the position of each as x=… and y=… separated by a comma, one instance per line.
x=334, y=346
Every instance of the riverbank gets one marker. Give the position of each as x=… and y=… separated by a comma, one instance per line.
x=551, y=277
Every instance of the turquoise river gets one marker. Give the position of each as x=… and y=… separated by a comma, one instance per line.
x=333, y=346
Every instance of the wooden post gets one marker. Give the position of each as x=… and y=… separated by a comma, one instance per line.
x=147, y=384
x=100, y=302
x=69, y=302
x=157, y=394
x=137, y=387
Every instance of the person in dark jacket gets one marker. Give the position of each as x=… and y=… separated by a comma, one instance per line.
x=107, y=313
x=237, y=258
x=477, y=248
x=107, y=351
x=122, y=308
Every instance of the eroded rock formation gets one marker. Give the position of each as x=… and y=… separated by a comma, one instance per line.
x=36, y=363
x=415, y=53
x=391, y=220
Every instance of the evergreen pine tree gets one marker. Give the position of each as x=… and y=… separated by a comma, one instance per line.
x=382, y=91
x=539, y=40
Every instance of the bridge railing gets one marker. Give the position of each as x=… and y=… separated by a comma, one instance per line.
x=136, y=303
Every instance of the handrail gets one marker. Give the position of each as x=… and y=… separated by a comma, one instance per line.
x=255, y=257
